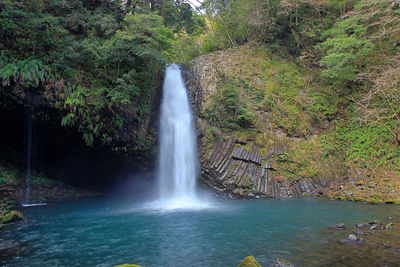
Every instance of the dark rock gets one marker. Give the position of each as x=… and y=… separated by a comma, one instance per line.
x=386, y=246
x=373, y=222
x=242, y=142
x=9, y=249
x=338, y=226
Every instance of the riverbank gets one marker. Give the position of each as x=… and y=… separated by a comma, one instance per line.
x=13, y=192
x=376, y=187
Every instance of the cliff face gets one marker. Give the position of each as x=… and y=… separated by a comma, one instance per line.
x=261, y=134
x=236, y=162
x=233, y=170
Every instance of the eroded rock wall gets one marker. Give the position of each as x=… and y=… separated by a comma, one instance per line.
x=233, y=167
x=235, y=170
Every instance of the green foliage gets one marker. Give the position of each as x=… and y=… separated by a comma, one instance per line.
x=362, y=143
x=284, y=101
x=323, y=104
x=96, y=61
x=42, y=181
x=346, y=48
x=7, y=175
x=228, y=111
x=27, y=73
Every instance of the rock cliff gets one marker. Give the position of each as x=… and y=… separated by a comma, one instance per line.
x=233, y=163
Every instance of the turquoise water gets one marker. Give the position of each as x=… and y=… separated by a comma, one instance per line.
x=104, y=232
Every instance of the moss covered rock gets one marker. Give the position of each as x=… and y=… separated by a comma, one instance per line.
x=127, y=265
x=282, y=263
x=249, y=261
x=10, y=217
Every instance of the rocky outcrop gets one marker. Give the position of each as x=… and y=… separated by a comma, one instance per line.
x=234, y=167
x=234, y=170
x=249, y=261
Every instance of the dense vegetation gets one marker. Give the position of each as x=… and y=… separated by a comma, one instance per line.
x=99, y=62
x=327, y=71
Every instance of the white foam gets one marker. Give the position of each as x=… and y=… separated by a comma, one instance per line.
x=178, y=157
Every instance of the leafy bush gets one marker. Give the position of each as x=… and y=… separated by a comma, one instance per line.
x=227, y=110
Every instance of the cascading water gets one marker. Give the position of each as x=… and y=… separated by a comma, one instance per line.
x=29, y=149
x=178, y=159
x=29, y=132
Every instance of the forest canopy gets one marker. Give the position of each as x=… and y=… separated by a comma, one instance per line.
x=97, y=60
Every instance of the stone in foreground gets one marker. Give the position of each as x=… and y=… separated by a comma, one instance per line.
x=282, y=263
x=249, y=261
x=127, y=265
x=12, y=216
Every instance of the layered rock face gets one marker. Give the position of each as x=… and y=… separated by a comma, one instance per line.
x=236, y=167
x=233, y=170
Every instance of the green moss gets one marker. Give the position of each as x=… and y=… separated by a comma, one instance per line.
x=10, y=217
x=127, y=265
x=374, y=201
x=249, y=261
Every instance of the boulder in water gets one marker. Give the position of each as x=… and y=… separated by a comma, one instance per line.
x=361, y=225
x=374, y=227
x=127, y=265
x=389, y=225
x=338, y=226
x=10, y=217
x=282, y=263
x=352, y=237
x=249, y=261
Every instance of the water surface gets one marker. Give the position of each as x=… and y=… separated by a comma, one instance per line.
x=104, y=232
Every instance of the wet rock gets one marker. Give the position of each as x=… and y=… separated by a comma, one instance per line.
x=338, y=226
x=127, y=265
x=386, y=246
x=374, y=227
x=12, y=216
x=9, y=249
x=361, y=225
x=352, y=238
x=282, y=263
x=249, y=261
x=389, y=225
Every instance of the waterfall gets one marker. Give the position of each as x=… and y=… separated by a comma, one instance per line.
x=30, y=110
x=178, y=158
x=29, y=148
